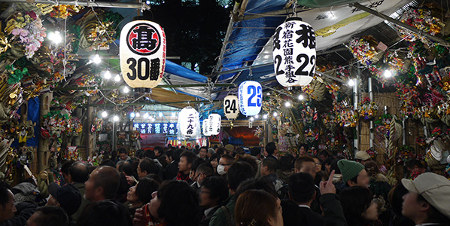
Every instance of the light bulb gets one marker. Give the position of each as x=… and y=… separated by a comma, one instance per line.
x=117, y=78
x=387, y=73
x=138, y=114
x=275, y=114
x=265, y=116
x=351, y=82
x=125, y=89
x=301, y=97
x=132, y=114
x=287, y=104
x=116, y=118
x=107, y=75
x=96, y=59
x=55, y=37
x=256, y=116
x=252, y=119
x=104, y=114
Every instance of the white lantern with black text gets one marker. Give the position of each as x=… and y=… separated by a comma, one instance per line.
x=205, y=128
x=188, y=122
x=294, y=53
x=231, y=107
x=250, y=98
x=215, y=121
x=142, y=53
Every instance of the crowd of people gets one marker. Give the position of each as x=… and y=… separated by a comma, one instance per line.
x=227, y=186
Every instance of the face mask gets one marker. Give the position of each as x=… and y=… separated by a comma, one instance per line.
x=221, y=170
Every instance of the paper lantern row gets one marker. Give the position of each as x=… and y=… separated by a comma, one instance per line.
x=249, y=100
x=212, y=125
x=188, y=122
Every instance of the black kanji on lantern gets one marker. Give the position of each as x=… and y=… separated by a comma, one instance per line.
x=276, y=38
x=144, y=38
x=307, y=36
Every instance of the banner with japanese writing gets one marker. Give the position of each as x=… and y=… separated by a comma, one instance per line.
x=142, y=53
x=156, y=128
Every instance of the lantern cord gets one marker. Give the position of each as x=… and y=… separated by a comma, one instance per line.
x=293, y=8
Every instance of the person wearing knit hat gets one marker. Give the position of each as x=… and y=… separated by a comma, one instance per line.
x=428, y=200
x=353, y=173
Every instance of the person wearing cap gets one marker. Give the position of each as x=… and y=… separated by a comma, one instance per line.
x=428, y=200
x=67, y=197
x=362, y=157
x=353, y=173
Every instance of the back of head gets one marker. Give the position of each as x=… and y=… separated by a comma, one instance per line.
x=255, y=151
x=149, y=166
x=66, y=166
x=50, y=216
x=261, y=183
x=129, y=169
x=299, y=162
x=239, y=172
x=355, y=200
x=197, y=162
x=79, y=172
x=105, y=213
x=271, y=164
x=205, y=168
x=145, y=188
x=301, y=187
x=270, y=148
x=255, y=207
x=217, y=187
x=109, y=179
x=286, y=162
x=179, y=204
x=371, y=168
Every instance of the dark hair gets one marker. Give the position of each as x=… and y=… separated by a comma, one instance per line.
x=4, y=193
x=79, y=172
x=105, y=213
x=190, y=156
x=204, y=147
x=396, y=198
x=205, y=168
x=355, y=200
x=255, y=151
x=371, y=168
x=51, y=216
x=228, y=157
x=214, y=156
x=433, y=215
x=239, y=172
x=271, y=164
x=108, y=162
x=123, y=151
x=149, y=166
x=255, y=207
x=299, y=162
x=159, y=149
x=248, y=159
x=262, y=183
x=145, y=188
x=286, y=162
x=270, y=148
x=109, y=179
x=197, y=162
x=129, y=169
x=179, y=204
x=301, y=187
x=139, y=154
x=220, y=151
x=65, y=167
x=217, y=188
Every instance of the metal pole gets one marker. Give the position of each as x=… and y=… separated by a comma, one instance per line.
x=404, y=131
x=399, y=23
x=114, y=137
x=159, y=86
x=386, y=140
x=355, y=108
x=123, y=5
x=371, y=137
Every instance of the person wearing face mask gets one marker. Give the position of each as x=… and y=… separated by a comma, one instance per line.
x=202, y=172
x=224, y=164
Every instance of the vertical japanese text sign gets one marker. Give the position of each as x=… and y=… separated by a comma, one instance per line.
x=189, y=122
x=250, y=98
x=142, y=53
x=294, y=53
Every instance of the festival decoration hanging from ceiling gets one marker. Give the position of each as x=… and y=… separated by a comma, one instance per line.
x=231, y=107
x=250, y=98
x=189, y=122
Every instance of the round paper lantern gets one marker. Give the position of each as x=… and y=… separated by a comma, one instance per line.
x=294, y=53
x=189, y=122
x=215, y=124
x=205, y=128
x=231, y=107
x=250, y=98
x=142, y=53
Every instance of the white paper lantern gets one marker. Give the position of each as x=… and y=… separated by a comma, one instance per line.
x=231, y=107
x=142, y=53
x=215, y=121
x=250, y=98
x=205, y=128
x=294, y=53
x=188, y=122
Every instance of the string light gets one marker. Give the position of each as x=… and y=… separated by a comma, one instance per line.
x=301, y=97
x=116, y=118
x=138, y=114
x=252, y=119
x=95, y=59
x=125, y=89
x=265, y=116
x=256, y=116
x=117, y=78
x=287, y=104
x=387, y=74
x=275, y=114
x=132, y=115
x=351, y=82
x=107, y=75
x=55, y=37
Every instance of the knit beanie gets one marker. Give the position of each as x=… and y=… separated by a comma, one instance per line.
x=349, y=169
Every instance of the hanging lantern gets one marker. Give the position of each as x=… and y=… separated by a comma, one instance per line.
x=188, y=122
x=205, y=128
x=294, y=53
x=142, y=53
x=250, y=98
x=231, y=107
x=215, y=124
